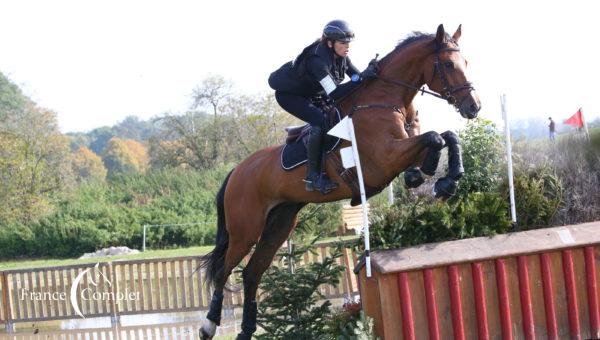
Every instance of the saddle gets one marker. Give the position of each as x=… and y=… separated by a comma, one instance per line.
x=294, y=152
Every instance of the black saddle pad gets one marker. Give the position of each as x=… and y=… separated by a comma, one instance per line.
x=294, y=154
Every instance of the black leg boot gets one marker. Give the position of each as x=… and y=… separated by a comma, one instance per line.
x=314, y=180
x=326, y=185
x=313, y=150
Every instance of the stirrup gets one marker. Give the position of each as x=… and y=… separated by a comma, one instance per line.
x=326, y=185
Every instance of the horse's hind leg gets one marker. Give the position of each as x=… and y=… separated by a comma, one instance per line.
x=280, y=223
x=244, y=231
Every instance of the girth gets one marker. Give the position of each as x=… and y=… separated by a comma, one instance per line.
x=350, y=177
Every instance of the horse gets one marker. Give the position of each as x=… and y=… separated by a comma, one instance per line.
x=258, y=202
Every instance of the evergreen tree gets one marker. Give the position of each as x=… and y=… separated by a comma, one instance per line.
x=289, y=307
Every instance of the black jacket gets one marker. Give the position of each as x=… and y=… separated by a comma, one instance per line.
x=302, y=75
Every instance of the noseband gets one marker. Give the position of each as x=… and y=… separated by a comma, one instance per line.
x=448, y=90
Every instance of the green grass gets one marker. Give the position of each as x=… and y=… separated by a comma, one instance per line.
x=162, y=253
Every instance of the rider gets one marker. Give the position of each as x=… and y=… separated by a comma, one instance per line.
x=318, y=71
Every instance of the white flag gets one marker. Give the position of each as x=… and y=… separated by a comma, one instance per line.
x=348, y=160
x=341, y=130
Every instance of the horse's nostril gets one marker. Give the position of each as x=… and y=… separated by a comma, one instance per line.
x=474, y=108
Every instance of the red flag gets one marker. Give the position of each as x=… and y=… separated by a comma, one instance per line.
x=576, y=119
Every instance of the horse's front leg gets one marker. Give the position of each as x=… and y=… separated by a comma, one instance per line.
x=445, y=187
x=413, y=176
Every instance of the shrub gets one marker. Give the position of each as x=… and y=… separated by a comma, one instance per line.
x=409, y=223
x=14, y=239
x=482, y=157
x=289, y=307
x=65, y=239
x=538, y=195
x=350, y=323
x=318, y=219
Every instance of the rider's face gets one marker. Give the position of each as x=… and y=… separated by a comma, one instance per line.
x=341, y=48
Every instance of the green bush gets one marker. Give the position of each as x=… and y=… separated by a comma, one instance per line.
x=290, y=306
x=538, y=196
x=14, y=239
x=482, y=157
x=65, y=240
x=425, y=221
x=318, y=219
x=97, y=215
x=349, y=323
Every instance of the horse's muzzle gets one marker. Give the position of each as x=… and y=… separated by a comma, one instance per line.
x=469, y=105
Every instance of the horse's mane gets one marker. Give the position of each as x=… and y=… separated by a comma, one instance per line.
x=408, y=40
x=411, y=38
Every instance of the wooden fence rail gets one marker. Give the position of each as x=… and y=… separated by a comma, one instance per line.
x=129, y=287
x=536, y=284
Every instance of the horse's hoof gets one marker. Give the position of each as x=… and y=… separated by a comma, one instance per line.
x=413, y=177
x=243, y=336
x=208, y=330
x=445, y=188
x=203, y=335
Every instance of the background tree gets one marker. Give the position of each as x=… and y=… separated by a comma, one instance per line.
x=192, y=140
x=482, y=157
x=124, y=156
x=213, y=90
x=99, y=138
x=257, y=122
x=289, y=306
x=87, y=165
x=36, y=166
x=169, y=154
x=134, y=128
x=11, y=99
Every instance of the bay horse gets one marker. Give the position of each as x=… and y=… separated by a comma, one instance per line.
x=258, y=202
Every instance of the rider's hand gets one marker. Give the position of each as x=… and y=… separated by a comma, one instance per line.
x=371, y=70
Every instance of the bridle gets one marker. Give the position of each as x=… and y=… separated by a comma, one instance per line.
x=448, y=90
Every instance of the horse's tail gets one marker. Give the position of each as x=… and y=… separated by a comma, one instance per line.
x=214, y=261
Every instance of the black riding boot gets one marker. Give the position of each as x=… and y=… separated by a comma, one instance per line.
x=314, y=180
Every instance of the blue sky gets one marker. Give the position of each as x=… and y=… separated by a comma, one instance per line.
x=96, y=62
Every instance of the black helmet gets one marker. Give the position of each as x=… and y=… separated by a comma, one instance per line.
x=338, y=30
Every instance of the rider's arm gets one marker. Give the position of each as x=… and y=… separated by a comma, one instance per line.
x=352, y=70
x=343, y=89
x=318, y=69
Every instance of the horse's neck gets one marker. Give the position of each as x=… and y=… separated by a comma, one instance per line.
x=402, y=68
x=380, y=129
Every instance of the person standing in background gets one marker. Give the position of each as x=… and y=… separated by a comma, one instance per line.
x=551, y=129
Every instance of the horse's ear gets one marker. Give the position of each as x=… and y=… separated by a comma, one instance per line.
x=457, y=34
x=440, y=36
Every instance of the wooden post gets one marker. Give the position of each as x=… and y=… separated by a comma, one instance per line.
x=114, y=319
x=6, y=305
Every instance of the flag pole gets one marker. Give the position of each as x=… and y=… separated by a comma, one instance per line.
x=513, y=210
x=363, y=197
x=587, y=132
x=350, y=158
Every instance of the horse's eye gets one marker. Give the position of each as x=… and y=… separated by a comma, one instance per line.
x=449, y=65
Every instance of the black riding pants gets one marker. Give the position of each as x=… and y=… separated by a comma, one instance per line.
x=301, y=108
